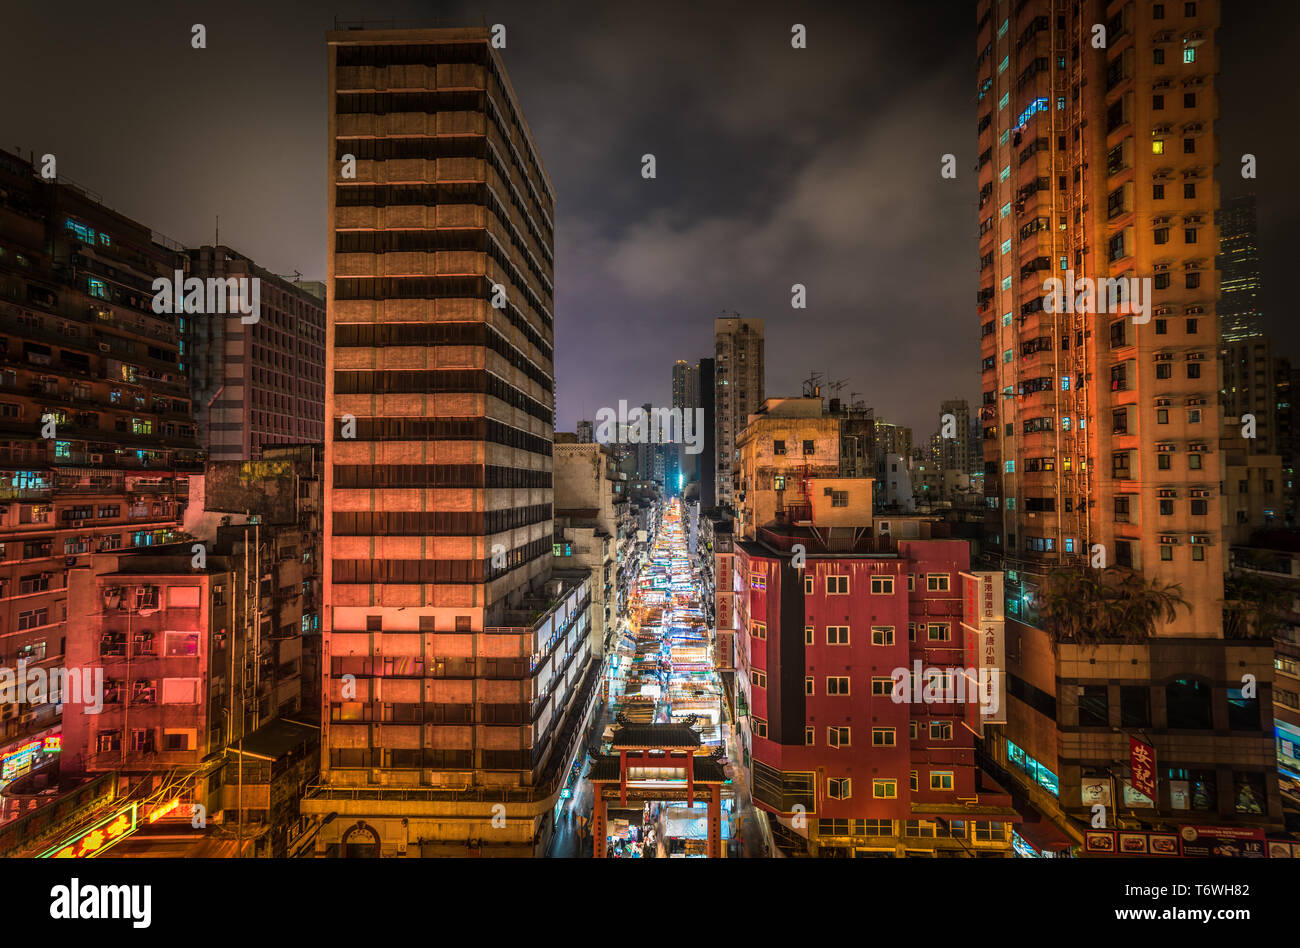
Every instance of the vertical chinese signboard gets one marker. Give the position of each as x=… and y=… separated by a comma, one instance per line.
x=1142, y=764
x=984, y=640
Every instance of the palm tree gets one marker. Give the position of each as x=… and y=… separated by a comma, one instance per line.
x=1252, y=605
x=1090, y=607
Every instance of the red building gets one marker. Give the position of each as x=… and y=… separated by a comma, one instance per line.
x=841, y=766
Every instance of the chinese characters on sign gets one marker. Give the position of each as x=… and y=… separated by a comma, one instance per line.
x=1142, y=763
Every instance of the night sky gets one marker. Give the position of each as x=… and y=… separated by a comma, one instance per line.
x=775, y=166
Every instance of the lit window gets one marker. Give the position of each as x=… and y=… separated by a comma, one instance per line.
x=1189, y=55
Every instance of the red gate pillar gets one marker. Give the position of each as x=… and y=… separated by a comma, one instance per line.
x=598, y=815
x=715, y=822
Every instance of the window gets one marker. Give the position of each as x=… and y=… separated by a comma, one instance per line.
x=941, y=780
x=837, y=635
x=837, y=736
x=34, y=618
x=758, y=679
x=809, y=736
x=758, y=630
x=883, y=737
x=760, y=727
x=837, y=685
x=882, y=687
x=1134, y=706
x=939, y=632
x=182, y=644
x=808, y=586
x=837, y=586
x=884, y=789
x=937, y=582
x=807, y=635
x=1187, y=704
x=757, y=581
x=881, y=585
x=809, y=686
x=1093, y=707
x=809, y=447
x=1189, y=54
x=839, y=788
x=882, y=635
x=778, y=447
x=1243, y=712
x=940, y=730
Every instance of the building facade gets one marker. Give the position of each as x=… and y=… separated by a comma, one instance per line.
x=1100, y=423
x=96, y=430
x=473, y=669
x=738, y=386
x=262, y=382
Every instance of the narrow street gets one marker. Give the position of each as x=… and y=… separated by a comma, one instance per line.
x=662, y=670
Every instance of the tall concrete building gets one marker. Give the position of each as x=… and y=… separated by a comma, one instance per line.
x=738, y=379
x=706, y=461
x=1101, y=428
x=954, y=449
x=262, y=382
x=686, y=385
x=97, y=434
x=459, y=667
x=1238, y=264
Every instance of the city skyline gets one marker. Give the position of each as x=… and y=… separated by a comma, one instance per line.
x=669, y=255
x=473, y=542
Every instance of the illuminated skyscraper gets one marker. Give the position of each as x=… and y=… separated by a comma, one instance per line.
x=1100, y=422
x=458, y=666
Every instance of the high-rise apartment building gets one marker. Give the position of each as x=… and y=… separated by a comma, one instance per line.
x=263, y=382
x=1100, y=420
x=97, y=435
x=1091, y=418
x=459, y=672
x=706, y=460
x=954, y=446
x=738, y=379
x=1238, y=264
x=686, y=384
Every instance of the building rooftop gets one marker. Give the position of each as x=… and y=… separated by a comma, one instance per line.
x=277, y=738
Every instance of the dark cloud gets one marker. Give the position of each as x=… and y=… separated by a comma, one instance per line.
x=775, y=166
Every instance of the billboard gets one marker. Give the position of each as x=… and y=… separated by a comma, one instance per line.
x=984, y=637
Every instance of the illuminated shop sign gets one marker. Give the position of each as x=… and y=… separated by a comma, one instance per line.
x=93, y=841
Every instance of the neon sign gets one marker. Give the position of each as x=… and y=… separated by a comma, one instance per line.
x=163, y=810
x=93, y=841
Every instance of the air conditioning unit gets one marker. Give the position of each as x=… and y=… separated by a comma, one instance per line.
x=104, y=347
x=883, y=528
x=97, y=459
